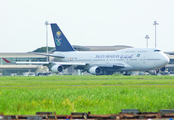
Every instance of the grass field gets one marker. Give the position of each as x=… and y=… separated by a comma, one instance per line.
x=97, y=94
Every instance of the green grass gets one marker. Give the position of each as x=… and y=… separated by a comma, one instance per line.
x=84, y=80
x=97, y=94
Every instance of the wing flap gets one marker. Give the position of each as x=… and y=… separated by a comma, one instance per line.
x=115, y=65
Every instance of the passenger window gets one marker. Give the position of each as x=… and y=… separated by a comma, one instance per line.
x=138, y=55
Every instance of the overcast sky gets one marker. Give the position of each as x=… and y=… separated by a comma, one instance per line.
x=86, y=22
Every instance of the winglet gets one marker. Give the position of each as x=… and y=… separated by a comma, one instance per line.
x=6, y=60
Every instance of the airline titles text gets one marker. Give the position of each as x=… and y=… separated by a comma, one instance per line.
x=114, y=56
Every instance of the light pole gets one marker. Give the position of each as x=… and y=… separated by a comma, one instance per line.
x=147, y=37
x=46, y=24
x=155, y=23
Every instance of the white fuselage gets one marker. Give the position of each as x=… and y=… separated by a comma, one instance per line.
x=133, y=59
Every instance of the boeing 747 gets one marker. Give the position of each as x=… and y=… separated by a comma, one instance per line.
x=101, y=62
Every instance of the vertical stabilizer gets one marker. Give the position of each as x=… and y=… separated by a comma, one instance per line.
x=61, y=43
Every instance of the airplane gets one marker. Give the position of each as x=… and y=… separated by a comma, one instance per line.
x=101, y=62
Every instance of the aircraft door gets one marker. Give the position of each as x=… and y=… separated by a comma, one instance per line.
x=140, y=61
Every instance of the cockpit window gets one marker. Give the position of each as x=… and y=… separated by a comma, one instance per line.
x=138, y=55
x=157, y=50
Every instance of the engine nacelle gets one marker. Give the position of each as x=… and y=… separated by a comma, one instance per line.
x=57, y=68
x=95, y=70
x=152, y=72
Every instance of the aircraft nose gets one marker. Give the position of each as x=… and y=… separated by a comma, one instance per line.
x=166, y=59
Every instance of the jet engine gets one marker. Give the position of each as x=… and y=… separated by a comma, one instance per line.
x=57, y=68
x=95, y=70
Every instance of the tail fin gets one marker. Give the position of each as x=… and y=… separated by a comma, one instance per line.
x=61, y=43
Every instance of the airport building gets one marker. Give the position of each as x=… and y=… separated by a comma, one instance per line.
x=7, y=69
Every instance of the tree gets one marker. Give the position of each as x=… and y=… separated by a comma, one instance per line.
x=43, y=49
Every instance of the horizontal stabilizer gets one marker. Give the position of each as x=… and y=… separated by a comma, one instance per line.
x=58, y=56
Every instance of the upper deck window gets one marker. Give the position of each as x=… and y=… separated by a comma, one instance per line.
x=130, y=51
x=157, y=50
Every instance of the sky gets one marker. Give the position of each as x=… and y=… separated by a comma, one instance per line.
x=86, y=23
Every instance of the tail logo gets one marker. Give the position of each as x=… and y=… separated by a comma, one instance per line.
x=58, y=39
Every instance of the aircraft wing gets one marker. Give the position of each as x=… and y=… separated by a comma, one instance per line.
x=115, y=65
x=46, y=63
x=69, y=63
x=32, y=63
